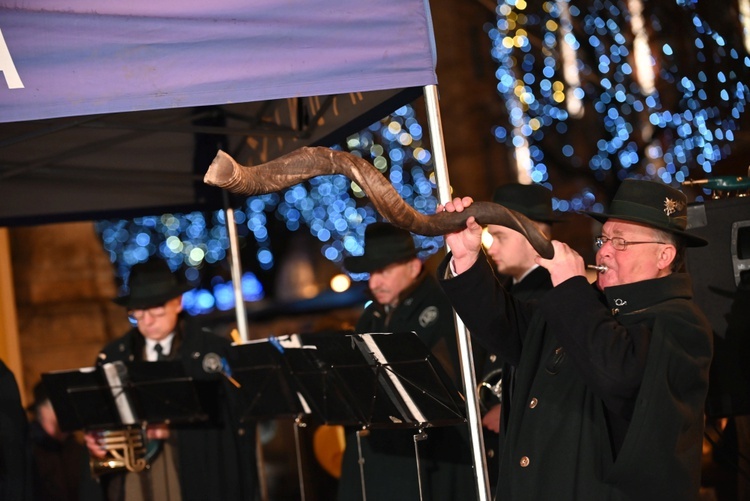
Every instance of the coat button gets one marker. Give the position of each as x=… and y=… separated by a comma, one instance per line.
x=493, y=357
x=524, y=462
x=533, y=403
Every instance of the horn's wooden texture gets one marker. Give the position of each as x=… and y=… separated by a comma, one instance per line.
x=308, y=162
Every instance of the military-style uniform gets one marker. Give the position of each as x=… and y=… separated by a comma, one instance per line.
x=212, y=462
x=390, y=463
x=609, y=389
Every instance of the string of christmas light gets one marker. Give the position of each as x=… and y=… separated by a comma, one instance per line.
x=677, y=128
x=332, y=208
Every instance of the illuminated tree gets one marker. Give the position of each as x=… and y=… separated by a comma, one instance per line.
x=606, y=90
x=331, y=208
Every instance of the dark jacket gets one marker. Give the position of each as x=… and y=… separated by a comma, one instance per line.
x=609, y=390
x=390, y=462
x=490, y=366
x=57, y=465
x=215, y=462
x=15, y=451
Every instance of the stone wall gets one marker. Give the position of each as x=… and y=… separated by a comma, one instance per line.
x=63, y=284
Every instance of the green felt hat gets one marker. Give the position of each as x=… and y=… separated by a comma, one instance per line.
x=151, y=284
x=653, y=204
x=384, y=244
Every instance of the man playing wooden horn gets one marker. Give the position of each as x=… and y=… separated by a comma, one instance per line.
x=610, y=380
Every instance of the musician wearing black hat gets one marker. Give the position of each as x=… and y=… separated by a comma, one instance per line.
x=514, y=259
x=193, y=462
x=406, y=298
x=610, y=379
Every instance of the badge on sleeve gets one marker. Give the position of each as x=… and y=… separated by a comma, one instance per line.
x=428, y=316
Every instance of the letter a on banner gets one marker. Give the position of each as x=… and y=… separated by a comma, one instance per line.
x=7, y=66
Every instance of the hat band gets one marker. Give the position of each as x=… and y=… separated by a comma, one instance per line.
x=648, y=214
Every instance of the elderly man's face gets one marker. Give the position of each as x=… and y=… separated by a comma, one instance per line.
x=637, y=262
x=387, y=283
x=157, y=323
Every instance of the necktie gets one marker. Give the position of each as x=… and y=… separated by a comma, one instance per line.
x=159, y=355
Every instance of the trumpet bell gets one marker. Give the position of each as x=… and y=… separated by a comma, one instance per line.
x=490, y=390
x=126, y=450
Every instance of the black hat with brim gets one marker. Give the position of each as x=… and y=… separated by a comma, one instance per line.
x=384, y=244
x=653, y=204
x=151, y=284
x=532, y=200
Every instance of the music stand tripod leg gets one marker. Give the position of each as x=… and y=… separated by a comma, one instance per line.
x=361, y=461
x=418, y=437
x=297, y=425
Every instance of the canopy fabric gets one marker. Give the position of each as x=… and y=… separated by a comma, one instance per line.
x=115, y=109
x=85, y=57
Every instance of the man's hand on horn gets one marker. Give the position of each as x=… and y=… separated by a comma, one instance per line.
x=467, y=243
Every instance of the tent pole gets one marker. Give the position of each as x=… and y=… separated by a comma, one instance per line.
x=462, y=335
x=236, y=270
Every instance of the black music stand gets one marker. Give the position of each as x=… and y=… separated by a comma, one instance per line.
x=381, y=380
x=266, y=389
x=401, y=385
x=141, y=393
x=366, y=381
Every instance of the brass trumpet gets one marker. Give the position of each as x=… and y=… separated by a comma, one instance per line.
x=127, y=450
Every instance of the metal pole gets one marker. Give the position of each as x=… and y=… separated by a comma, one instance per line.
x=236, y=269
x=462, y=335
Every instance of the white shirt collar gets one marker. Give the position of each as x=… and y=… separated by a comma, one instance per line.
x=166, y=347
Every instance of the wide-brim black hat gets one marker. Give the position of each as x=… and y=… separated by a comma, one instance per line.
x=653, y=204
x=384, y=244
x=531, y=200
x=151, y=284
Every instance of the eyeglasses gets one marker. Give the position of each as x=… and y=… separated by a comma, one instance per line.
x=155, y=312
x=618, y=243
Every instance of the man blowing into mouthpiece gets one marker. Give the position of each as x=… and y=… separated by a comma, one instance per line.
x=609, y=381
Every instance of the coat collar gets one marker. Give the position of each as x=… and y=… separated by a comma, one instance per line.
x=630, y=298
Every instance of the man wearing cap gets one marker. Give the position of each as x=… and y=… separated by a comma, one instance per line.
x=514, y=259
x=194, y=462
x=611, y=378
x=406, y=298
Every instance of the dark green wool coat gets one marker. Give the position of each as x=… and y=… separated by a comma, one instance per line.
x=609, y=389
x=530, y=289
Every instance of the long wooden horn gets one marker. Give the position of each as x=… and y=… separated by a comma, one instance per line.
x=308, y=162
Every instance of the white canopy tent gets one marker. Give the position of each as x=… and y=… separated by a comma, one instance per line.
x=112, y=109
